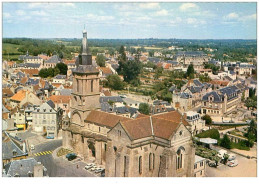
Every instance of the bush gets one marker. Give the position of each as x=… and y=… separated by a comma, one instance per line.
x=212, y=133
x=115, y=82
x=240, y=145
x=225, y=142
x=144, y=108
x=207, y=119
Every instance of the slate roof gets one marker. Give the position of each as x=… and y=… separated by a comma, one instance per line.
x=172, y=88
x=154, y=60
x=47, y=107
x=228, y=78
x=29, y=65
x=86, y=69
x=115, y=66
x=106, y=107
x=195, y=89
x=197, y=83
x=32, y=81
x=185, y=95
x=21, y=167
x=110, y=98
x=9, y=145
x=59, y=76
x=190, y=53
x=54, y=59
x=65, y=91
x=217, y=97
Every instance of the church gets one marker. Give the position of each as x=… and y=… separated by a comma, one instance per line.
x=147, y=146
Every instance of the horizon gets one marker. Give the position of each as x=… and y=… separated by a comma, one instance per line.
x=201, y=21
x=125, y=38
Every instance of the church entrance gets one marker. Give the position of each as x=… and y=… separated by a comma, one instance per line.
x=91, y=149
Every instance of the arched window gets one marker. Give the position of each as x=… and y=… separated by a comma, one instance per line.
x=140, y=165
x=125, y=164
x=77, y=85
x=153, y=161
x=179, y=158
x=92, y=85
x=150, y=161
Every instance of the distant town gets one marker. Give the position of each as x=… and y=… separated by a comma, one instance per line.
x=129, y=108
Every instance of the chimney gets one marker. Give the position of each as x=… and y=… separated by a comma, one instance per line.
x=38, y=170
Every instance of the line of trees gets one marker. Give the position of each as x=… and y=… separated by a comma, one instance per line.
x=60, y=68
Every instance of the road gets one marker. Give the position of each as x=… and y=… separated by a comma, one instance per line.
x=245, y=168
x=59, y=167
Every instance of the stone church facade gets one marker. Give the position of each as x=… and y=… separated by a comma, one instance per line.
x=148, y=146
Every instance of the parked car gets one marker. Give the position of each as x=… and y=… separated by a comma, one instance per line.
x=98, y=170
x=93, y=168
x=90, y=165
x=71, y=156
x=103, y=173
x=231, y=157
x=50, y=137
x=212, y=164
x=232, y=163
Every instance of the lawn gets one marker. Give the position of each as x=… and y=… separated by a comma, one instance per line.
x=10, y=48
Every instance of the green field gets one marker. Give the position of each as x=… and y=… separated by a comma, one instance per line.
x=10, y=48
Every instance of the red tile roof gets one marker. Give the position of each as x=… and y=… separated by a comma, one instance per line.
x=104, y=118
x=57, y=99
x=19, y=96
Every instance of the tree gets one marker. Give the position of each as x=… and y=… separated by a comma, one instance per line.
x=62, y=68
x=225, y=142
x=225, y=158
x=144, y=108
x=190, y=71
x=122, y=60
x=115, y=82
x=204, y=78
x=50, y=72
x=250, y=103
x=131, y=70
x=251, y=133
x=207, y=118
x=158, y=72
x=56, y=71
x=100, y=60
x=43, y=73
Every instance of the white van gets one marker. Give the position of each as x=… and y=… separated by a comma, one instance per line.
x=221, y=153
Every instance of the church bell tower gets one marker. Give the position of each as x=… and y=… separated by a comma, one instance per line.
x=85, y=96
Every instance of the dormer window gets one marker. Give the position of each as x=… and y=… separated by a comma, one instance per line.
x=14, y=153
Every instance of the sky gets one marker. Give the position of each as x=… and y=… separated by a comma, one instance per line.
x=130, y=20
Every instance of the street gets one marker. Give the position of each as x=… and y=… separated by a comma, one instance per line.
x=58, y=167
x=245, y=168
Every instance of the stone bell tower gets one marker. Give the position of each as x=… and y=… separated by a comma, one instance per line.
x=85, y=96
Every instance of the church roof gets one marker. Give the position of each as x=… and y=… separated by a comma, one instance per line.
x=161, y=125
x=86, y=69
x=104, y=119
